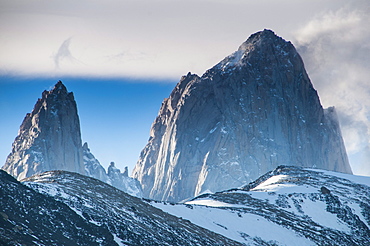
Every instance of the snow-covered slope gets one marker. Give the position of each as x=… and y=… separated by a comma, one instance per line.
x=30, y=218
x=288, y=206
x=129, y=220
x=253, y=111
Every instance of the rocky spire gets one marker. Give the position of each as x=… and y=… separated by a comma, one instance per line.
x=49, y=137
x=253, y=111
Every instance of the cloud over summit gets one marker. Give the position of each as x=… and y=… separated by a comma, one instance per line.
x=335, y=47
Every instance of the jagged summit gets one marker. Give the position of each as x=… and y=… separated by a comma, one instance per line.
x=59, y=86
x=59, y=92
x=253, y=111
x=265, y=41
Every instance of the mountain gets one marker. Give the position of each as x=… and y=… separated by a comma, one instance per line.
x=287, y=206
x=126, y=219
x=253, y=111
x=50, y=139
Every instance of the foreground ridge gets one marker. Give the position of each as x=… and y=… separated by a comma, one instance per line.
x=287, y=206
x=127, y=219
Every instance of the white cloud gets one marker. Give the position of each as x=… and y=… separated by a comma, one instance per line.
x=335, y=47
x=170, y=37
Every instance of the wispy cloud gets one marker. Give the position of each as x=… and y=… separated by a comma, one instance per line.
x=335, y=47
x=161, y=39
x=63, y=53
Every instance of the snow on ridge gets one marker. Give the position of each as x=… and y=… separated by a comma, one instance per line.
x=364, y=180
x=235, y=225
x=210, y=203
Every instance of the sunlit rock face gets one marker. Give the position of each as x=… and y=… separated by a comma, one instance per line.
x=253, y=111
x=49, y=137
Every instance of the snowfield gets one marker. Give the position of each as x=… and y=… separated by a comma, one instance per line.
x=251, y=213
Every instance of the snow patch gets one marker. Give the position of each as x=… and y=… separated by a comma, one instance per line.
x=210, y=203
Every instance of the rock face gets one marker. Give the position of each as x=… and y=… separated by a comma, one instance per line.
x=253, y=111
x=49, y=137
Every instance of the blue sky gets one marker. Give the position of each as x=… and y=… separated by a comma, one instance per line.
x=121, y=58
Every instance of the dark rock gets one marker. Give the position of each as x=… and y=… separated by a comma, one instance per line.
x=324, y=190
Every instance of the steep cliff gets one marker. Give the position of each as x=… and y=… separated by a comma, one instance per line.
x=253, y=111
